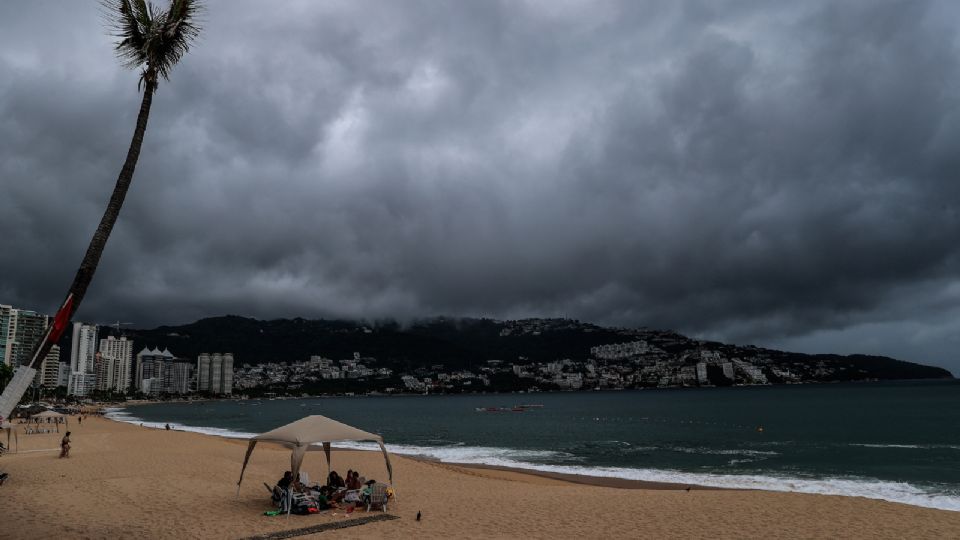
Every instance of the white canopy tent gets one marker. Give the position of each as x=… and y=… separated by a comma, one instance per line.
x=50, y=416
x=313, y=433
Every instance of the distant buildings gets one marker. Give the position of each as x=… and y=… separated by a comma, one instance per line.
x=83, y=355
x=215, y=373
x=114, y=364
x=160, y=372
x=48, y=375
x=178, y=376
x=702, y=377
x=728, y=370
x=20, y=330
x=108, y=364
x=149, y=367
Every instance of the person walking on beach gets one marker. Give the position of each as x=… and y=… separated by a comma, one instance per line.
x=65, y=446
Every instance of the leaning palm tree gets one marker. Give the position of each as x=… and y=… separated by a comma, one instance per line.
x=153, y=41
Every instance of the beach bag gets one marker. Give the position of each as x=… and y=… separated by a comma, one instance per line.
x=302, y=507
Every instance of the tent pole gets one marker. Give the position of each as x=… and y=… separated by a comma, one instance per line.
x=326, y=451
x=246, y=458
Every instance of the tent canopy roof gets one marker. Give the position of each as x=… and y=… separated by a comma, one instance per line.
x=47, y=414
x=306, y=432
x=315, y=429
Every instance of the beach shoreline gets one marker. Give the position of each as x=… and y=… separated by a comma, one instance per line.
x=521, y=459
x=127, y=481
x=583, y=479
x=587, y=480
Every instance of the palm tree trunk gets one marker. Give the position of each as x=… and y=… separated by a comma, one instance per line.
x=92, y=258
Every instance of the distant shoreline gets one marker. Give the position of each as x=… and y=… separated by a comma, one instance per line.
x=582, y=391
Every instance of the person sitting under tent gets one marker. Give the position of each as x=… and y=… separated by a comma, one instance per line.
x=289, y=482
x=325, y=498
x=335, y=481
x=314, y=433
x=284, y=482
x=353, y=480
x=366, y=490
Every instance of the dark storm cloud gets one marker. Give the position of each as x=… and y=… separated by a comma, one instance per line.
x=775, y=173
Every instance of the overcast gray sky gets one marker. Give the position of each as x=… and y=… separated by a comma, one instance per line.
x=776, y=173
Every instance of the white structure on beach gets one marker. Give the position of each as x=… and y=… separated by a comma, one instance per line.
x=215, y=373
x=82, y=359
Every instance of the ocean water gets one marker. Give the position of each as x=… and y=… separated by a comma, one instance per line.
x=894, y=441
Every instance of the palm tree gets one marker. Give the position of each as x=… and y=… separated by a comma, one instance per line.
x=153, y=41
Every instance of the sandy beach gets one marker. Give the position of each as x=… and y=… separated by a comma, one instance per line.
x=125, y=481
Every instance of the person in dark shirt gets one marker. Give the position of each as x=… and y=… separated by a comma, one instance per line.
x=353, y=482
x=285, y=481
x=334, y=480
x=65, y=446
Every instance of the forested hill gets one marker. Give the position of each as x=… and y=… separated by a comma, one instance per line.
x=466, y=343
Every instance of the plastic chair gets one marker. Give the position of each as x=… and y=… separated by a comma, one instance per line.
x=378, y=497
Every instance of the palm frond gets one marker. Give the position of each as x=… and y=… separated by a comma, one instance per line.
x=175, y=33
x=152, y=39
x=130, y=23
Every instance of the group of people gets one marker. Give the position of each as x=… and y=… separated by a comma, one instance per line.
x=353, y=480
x=354, y=490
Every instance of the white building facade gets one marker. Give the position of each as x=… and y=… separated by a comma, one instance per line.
x=83, y=360
x=20, y=330
x=215, y=373
x=117, y=357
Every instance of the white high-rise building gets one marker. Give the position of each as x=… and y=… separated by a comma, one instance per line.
x=49, y=372
x=178, y=376
x=226, y=387
x=203, y=373
x=104, y=366
x=151, y=364
x=117, y=353
x=83, y=359
x=63, y=375
x=20, y=330
x=215, y=373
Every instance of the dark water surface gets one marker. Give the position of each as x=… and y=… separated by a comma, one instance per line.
x=896, y=441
